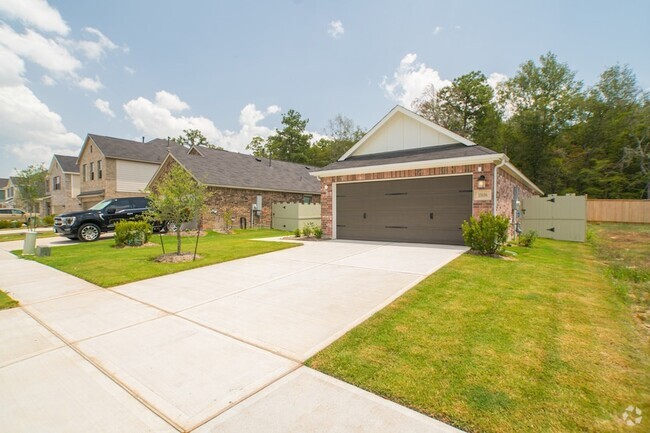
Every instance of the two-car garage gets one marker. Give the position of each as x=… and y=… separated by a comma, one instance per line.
x=427, y=210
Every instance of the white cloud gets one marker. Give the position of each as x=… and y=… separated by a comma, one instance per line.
x=12, y=69
x=94, y=50
x=90, y=84
x=43, y=51
x=457, y=27
x=104, y=107
x=29, y=129
x=437, y=30
x=47, y=80
x=156, y=119
x=129, y=70
x=410, y=81
x=170, y=101
x=36, y=13
x=272, y=109
x=496, y=78
x=335, y=29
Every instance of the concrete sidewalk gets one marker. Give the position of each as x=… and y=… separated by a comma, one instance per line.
x=218, y=348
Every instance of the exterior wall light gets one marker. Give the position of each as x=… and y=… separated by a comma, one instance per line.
x=481, y=182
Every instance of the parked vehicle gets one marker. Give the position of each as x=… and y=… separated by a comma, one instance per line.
x=88, y=225
x=19, y=215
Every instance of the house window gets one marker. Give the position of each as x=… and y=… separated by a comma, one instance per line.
x=84, y=172
x=306, y=199
x=57, y=183
x=99, y=169
x=92, y=171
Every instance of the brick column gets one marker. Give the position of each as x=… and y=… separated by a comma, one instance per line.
x=326, y=206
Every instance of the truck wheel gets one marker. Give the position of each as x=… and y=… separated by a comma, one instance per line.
x=88, y=232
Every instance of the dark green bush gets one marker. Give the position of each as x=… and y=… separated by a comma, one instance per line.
x=10, y=224
x=318, y=233
x=132, y=233
x=528, y=238
x=487, y=234
x=296, y=233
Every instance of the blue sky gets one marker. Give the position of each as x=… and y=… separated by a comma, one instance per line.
x=230, y=68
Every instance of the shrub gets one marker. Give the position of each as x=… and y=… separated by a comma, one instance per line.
x=528, y=238
x=487, y=234
x=318, y=233
x=48, y=220
x=296, y=233
x=132, y=233
x=308, y=229
x=5, y=224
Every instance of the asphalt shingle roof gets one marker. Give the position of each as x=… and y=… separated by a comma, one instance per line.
x=229, y=169
x=457, y=150
x=153, y=151
x=3, y=182
x=68, y=163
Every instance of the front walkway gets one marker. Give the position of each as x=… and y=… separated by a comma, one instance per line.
x=214, y=349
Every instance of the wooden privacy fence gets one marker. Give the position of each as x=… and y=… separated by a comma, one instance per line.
x=618, y=211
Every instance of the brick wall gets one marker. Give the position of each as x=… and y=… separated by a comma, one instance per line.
x=505, y=194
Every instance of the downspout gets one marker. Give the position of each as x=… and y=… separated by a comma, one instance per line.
x=504, y=159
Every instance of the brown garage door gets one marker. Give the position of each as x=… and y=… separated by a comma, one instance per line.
x=415, y=210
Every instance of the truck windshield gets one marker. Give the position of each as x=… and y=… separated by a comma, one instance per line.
x=102, y=204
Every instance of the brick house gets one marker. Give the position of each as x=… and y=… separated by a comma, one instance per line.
x=410, y=180
x=113, y=167
x=61, y=186
x=237, y=181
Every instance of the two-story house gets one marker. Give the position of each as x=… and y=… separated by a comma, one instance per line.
x=113, y=167
x=62, y=186
x=12, y=193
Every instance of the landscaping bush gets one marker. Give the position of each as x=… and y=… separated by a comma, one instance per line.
x=318, y=233
x=132, y=233
x=47, y=220
x=296, y=233
x=528, y=238
x=487, y=234
x=307, y=230
x=10, y=224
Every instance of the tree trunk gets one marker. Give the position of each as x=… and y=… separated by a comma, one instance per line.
x=178, y=240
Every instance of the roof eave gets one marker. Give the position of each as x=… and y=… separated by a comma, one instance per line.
x=414, y=165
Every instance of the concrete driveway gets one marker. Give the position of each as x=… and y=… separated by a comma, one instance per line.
x=214, y=349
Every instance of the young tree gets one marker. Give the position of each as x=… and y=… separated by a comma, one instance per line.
x=177, y=198
x=194, y=137
x=31, y=186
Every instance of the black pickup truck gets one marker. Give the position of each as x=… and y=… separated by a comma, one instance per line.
x=88, y=225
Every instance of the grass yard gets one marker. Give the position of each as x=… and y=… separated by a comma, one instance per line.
x=6, y=301
x=103, y=264
x=542, y=343
x=7, y=237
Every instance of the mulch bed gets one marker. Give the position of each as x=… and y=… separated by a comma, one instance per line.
x=175, y=258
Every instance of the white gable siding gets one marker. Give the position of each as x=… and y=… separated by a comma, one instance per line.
x=400, y=133
x=133, y=176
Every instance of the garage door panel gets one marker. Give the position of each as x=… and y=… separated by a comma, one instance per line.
x=413, y=210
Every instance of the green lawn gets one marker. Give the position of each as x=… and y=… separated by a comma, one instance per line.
x=6, y=301
x=7, y=237
x=544, y=342
x=103, y=264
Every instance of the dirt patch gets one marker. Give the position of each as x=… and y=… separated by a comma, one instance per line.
x=148, y=244
x=176, y=258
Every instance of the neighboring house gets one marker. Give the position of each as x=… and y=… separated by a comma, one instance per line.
x=12, y=194
x=410, y=180
x=3, y=191
x=235, y=181
x=112, y=167
x=62, y=185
